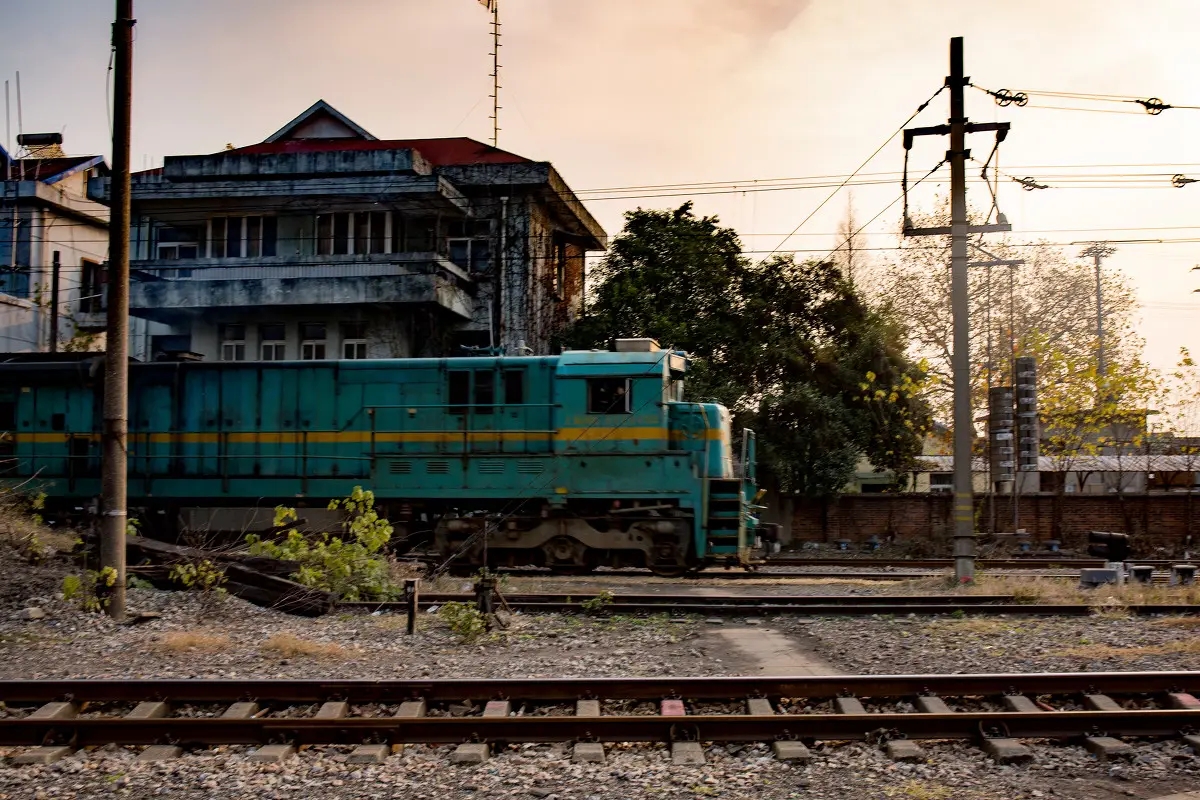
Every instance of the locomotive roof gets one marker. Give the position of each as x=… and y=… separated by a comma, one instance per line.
x=571, y=362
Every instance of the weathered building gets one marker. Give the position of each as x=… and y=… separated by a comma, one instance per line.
x=323, y=242
x=53, y=241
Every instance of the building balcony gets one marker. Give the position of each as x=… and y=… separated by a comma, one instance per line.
x=169, y=291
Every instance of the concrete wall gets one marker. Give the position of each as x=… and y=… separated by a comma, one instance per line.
x=388, y=335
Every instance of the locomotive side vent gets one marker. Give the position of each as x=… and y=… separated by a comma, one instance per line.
x=530, y=467
x=400, y=468
x=491, y=467
x=437, y=467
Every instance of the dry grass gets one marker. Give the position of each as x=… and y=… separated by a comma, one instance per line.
x=191, y=641
x=1066, y=591
x=1105, y=651
x=288, y=645
x=1177, y=622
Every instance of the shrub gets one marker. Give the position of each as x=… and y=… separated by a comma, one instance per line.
x=465, y=620
x=202, y=576
x=598, y=603
x=350, y=565
x=90, y=590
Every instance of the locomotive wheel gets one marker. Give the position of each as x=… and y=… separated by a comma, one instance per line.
x=668, y=570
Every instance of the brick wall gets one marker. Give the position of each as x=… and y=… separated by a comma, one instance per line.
x=1158, y=519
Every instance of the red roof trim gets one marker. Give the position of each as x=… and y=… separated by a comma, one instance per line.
x=447, y=152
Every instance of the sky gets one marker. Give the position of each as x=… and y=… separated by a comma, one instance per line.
x=635, y=93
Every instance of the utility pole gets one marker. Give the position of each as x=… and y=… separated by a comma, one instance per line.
x=957, y=129
x=55, y=268
x=1099, y=251
x=116, y=363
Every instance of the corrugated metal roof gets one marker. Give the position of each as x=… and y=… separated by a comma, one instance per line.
x=46, y=169
x=1126, y=463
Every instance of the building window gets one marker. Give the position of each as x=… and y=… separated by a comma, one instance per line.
x=241, y=237
x=272, y=342
x=91, y=287
x=233, y=342
x=342, y=233
x=312, y=341
x=469, y=244
x=560, y=269
x=608, y=395
x=179, y=242
x=354, y=340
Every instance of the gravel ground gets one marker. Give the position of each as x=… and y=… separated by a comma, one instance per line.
x=912, y=644
x=229, y=638
x=850, y=771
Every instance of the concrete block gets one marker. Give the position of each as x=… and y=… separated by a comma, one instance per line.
x=904, y=750
x=273, y=753
x=240, y=711
x=1183, y=574
x=791, y=751
x=149, y=710
x=933, y=705
x=335, y=709
x=759, y=707
x=56, y=711
x=42, y=755
x=369, y=754
x=1142, y=573
x=1101, y=702
x=673, y=708
x=411, y=708
x=1098, y=576
x=1183, y=700
x=592, y=752
x=1106, y=747
x=1192, y=740
x=685, y=753
x=1020, y=703
x=1007, y=751
x=587, y=708
x=471, y=753
x=160, y=752
x=497, y=708
x=848, y=705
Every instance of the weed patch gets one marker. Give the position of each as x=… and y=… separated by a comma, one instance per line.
x=288, y=645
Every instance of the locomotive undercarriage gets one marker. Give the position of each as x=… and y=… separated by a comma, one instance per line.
x=570, y=544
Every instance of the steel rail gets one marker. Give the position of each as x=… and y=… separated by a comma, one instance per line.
x=569, y=689
x=973, y=725
x=733, y=605
x=715, y=600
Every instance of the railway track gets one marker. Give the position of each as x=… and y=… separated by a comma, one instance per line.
x=995, y=711
x=759, y=605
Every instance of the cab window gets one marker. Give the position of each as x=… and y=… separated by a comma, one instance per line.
x=608, y=396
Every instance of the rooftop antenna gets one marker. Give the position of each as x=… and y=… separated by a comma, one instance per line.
x=494, y=7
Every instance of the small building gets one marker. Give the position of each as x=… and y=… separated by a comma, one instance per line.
x=324, y=242
x=53, y=241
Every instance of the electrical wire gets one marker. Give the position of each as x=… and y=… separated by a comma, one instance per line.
x=870, y=158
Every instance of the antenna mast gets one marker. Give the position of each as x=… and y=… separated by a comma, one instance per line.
x=494, y=6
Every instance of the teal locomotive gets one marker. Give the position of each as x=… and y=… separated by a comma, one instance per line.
x=573, y=461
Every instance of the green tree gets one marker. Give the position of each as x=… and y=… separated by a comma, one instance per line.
x=791, y=349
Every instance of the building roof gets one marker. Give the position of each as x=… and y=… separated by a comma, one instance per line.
x=46, y=170
x=1126, y=463
x=320, y=116
x=457, y=151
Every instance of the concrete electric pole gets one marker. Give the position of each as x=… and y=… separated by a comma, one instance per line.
x=957, y=129
x=116, y=362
